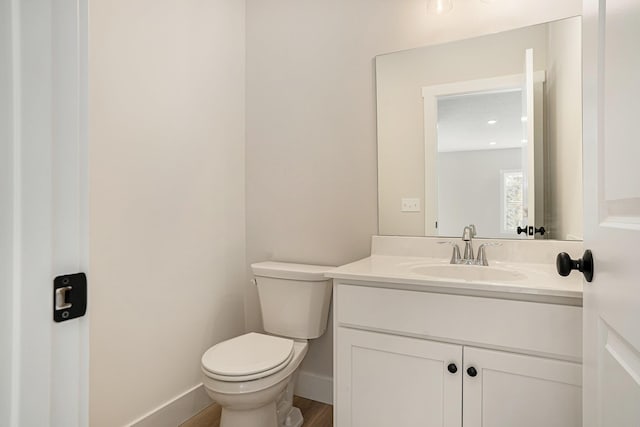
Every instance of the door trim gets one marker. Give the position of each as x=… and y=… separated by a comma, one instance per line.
x=48, y=198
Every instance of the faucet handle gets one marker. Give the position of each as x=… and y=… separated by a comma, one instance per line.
x=455, y=255
x=482, y=252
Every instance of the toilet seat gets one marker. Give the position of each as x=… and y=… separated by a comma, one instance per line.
x=247, y=357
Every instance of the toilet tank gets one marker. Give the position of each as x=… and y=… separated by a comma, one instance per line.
x=294, y=298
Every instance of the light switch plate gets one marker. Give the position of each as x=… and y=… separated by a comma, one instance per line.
x=410, y=205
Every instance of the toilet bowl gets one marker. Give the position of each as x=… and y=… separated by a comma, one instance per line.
x=252, y=376
x=249, y=398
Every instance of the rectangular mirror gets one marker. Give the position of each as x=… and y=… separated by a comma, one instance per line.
x=484, y=131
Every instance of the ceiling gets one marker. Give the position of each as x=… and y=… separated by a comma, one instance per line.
x=480, y=121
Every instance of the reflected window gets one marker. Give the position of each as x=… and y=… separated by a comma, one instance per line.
x=512, y=189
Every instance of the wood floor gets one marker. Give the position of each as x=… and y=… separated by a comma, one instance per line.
x=315, y=414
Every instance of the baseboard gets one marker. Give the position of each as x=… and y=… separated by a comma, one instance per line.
x=315, y=387
x=177, y=410
x=181, y=408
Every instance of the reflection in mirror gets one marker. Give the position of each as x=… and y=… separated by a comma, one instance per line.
x=484, y=131
x=481, y=134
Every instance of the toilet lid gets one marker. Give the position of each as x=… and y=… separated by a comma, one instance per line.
x=247, y=357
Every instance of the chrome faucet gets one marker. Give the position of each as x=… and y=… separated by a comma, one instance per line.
x=468, y=234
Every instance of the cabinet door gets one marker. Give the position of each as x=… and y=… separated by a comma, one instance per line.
x=516, y=390
x=387, y=380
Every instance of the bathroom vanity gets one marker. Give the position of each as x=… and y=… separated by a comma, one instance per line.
x=421, y=342
x=483, y=131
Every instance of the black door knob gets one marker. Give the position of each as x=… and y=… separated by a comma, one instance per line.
x=452, y=368
x=565, y=264
x=471, y=371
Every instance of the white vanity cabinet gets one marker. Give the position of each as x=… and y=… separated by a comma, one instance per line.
x=422, y=358
x=519, y=390
x=389, y=380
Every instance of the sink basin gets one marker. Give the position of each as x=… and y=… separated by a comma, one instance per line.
x=468, y=273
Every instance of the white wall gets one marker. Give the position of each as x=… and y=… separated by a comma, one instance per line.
x=469, y=190
x=6, y=212
x=564, y=128
x=167, y=225
x=311, y=133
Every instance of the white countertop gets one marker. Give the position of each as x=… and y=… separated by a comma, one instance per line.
x=539, y=281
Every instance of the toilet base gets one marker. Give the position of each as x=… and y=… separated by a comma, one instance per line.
x=264, y=416
x=260, y=417
x=294, y=418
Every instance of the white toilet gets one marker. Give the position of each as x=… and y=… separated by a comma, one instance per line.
x=252, y=376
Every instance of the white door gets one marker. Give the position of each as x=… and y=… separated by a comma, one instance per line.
x=44, y=203
x=508, y=389
x=611, y=58
x=388, y=380
x=528, y=149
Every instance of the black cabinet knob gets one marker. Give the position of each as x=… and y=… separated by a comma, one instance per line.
x=472, y=372
x=564, y=264
x=540, y=230
x=521, y=230
x=452, y=368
